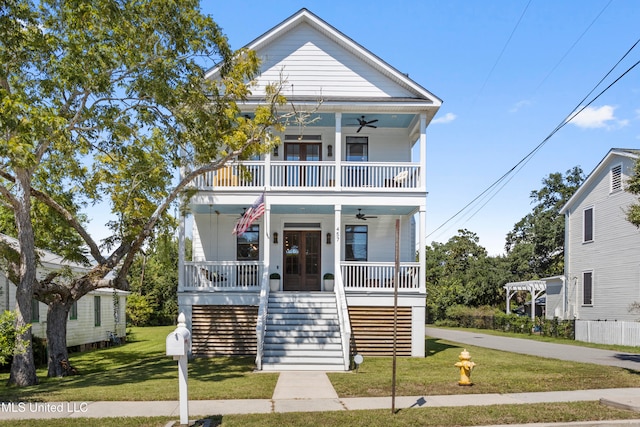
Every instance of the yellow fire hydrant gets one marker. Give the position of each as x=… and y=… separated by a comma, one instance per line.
x=466, y=366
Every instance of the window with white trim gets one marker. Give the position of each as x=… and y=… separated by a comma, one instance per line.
x=616, y=179
x=587, y=288
x=587, y=221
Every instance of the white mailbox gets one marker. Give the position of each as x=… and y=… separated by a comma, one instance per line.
x=177, y=344
x=179, y=341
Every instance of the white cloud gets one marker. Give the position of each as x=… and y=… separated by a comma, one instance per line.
x=448, y=118
x=598, y=117
x=518, y=105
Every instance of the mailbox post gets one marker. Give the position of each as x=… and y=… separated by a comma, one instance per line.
x=178, y=345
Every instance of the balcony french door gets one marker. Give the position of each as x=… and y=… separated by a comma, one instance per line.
x=303, y=175
x=301, y=261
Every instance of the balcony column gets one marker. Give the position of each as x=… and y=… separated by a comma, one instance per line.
x=337, y=153
x=337, y=242
x=181, y=234
x=267, y=171
x=267, y=238
x=423, y=152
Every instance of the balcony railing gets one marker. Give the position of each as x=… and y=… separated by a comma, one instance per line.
x=380, y=276
x=306, y=176
x=223, y=275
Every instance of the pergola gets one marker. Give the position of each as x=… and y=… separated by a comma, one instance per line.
x=534, y=287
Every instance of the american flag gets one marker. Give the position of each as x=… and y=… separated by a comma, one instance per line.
x=254, y=212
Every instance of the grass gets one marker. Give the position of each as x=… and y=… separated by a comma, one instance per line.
x=140, y=370
x=495, y=372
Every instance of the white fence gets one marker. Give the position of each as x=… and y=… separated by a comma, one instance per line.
x=608, y=332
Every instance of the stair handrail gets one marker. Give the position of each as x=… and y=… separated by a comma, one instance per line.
x=343, y=319
x=262, y=318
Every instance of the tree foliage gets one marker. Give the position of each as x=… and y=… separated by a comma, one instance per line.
x=101, y=101
x=459, y=272
x=9, y=346
x=535, y=246
x=633, y=187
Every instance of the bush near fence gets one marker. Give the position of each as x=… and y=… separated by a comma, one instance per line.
x=491, y=318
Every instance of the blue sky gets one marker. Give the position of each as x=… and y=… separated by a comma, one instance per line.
x=508, y=72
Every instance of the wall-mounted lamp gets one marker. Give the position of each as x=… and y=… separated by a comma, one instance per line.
x=328, y=238
x=275, y=238
x=329, y=150
x=275, y=151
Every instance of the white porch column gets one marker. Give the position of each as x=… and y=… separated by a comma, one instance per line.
x=419, y=313
x=423, y=151
x=337, y=153
x=181, y=232
x=422, y=249
x=337, y=241
x=267, y=238
x=267, y=171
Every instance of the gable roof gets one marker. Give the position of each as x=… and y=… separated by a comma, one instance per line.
x=397, y=87
x=604, y=163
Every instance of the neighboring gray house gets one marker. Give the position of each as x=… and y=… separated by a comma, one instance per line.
x=602, y=256
x=92, y=320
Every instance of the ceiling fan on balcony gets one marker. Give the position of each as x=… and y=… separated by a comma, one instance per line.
x=362, y=216
x=364, y=123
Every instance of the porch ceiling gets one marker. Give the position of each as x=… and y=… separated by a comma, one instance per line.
x=307, y=209
x=349, y=120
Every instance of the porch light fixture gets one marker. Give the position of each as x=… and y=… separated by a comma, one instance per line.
x=328, y=238
x=329, y=150
x=275, y=151
x=275, y=238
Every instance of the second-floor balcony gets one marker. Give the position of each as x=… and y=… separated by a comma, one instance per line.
x=309, y=176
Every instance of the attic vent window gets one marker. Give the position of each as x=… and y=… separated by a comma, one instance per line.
x=616, y=178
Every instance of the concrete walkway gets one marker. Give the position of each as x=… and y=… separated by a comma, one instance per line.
x=312, y=391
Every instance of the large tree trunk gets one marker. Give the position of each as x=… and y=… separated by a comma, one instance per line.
x=58, y=359
x=23, y=367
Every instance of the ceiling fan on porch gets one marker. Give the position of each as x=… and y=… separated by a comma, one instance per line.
x=365, y=123
x=362, y=216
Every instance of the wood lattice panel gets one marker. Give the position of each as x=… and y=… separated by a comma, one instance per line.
x=372, y=331
x=224, y=330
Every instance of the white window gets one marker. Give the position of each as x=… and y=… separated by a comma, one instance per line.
x=616, y=178
x=587, y=221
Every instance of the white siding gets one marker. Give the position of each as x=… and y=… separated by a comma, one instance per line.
x=313, y=65
x=613, y=255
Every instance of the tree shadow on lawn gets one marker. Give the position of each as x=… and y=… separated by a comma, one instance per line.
x=118, y=368
x=434, y=346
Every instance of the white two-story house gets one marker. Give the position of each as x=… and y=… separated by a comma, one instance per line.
x=333, y=193
x=602, y=256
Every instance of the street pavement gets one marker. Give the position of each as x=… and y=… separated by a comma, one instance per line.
x=312, y=391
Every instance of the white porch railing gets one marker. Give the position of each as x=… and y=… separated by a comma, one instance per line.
x=306, y=176
x=380, y=276
x=223, y=275
x=249, y=174
x=303, y=175
x=343, y=319
x=395, y=176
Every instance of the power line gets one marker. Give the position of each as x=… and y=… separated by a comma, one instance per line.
x=520, y=164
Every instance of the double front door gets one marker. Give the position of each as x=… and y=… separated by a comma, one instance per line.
x=301, y=261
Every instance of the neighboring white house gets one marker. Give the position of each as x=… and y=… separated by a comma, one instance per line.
x=332, y=194
x=602, y=256
x=92, y=319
